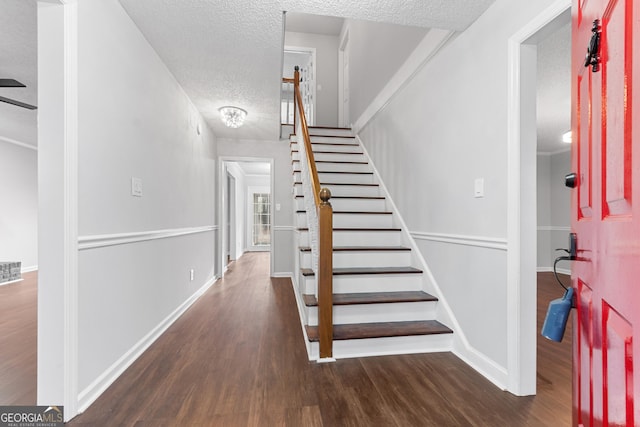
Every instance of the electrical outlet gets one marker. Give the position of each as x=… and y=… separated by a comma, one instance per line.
x=191, y=274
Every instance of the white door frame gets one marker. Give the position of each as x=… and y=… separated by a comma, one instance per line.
x=521, y=225
x=341, y=79
x=222, y=185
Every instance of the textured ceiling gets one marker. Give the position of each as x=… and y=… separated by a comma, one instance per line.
x=314, y=24
x=18, y=60
x=230, y=53
x=554, y=90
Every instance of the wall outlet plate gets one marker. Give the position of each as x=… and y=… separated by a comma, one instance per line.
x=136, y=186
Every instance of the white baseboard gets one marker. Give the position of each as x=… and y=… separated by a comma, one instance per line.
x=482, y=364
x=29, y=269
x=87, y=396
x=285, y=274
x=11, y=281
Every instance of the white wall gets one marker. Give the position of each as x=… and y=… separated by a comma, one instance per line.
x=283, y=222
x=446, y=127
x=135, y=121
x=376, y=52
x=554, y=209
x=326, y=73
x=19, y=205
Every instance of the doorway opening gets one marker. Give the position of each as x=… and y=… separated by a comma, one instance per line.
x=246, y=193
x=521, y=200
x=305, y=59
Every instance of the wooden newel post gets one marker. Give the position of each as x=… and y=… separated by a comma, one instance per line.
x=325, y=275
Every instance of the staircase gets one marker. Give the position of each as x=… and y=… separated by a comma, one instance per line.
x=379, y=303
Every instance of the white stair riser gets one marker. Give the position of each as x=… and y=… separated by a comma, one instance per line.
x=345, y=259
x=345, y=190
x=333, y=157
x=372, y=313
x=341, y=167
x=358, y=238
x=353, y=220
x=344, y=349
x=317, y=132
x=341, y=157
x=349, y=284
x=331, y=146
x=355, y=178
x=368, y=205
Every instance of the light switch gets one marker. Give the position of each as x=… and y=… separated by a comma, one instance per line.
x=136, y=186
x=278, y=206
x=478, y=188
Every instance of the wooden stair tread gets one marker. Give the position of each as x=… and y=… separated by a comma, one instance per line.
x=362, y=248
x=340, y=172
x=355, y=144
x=366, y=270
x=350, y=197
x=356, y=229
x=381, y=330
x=342, y=183
x=337, y=161
x=329, y=127
x=357, y=212
x=372, y=298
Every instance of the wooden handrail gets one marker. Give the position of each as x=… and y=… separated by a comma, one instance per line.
x=325, y=233
x=311, y=162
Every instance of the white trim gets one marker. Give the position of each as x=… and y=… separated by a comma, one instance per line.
x=18, y=143
x=103, y=240
x=284, y=228
x=482, y=364
x=283, y=274
x=71, y=125
x=458, y=239
x=104, y=380
x=426, y=49
x=518, y=337
x=11, y=281
x=29, y=269
x=553, y=228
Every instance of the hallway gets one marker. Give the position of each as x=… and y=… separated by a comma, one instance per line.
x=236, y=358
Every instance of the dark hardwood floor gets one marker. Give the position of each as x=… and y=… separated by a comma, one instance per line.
x=18, y=341
x=236, y=358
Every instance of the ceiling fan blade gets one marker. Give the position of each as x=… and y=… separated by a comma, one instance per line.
x=17, y=103
x=10, y=83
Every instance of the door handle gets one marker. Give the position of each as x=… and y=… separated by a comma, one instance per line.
x=570, y=180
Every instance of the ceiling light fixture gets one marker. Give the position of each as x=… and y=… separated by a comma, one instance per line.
x=566, y=137
x=233, y=117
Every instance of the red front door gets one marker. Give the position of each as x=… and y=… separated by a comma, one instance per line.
x=606, y=214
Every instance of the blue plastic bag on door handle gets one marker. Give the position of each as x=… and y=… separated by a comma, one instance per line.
x=556, y=320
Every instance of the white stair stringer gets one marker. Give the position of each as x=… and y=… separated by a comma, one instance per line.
x=372, y=259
